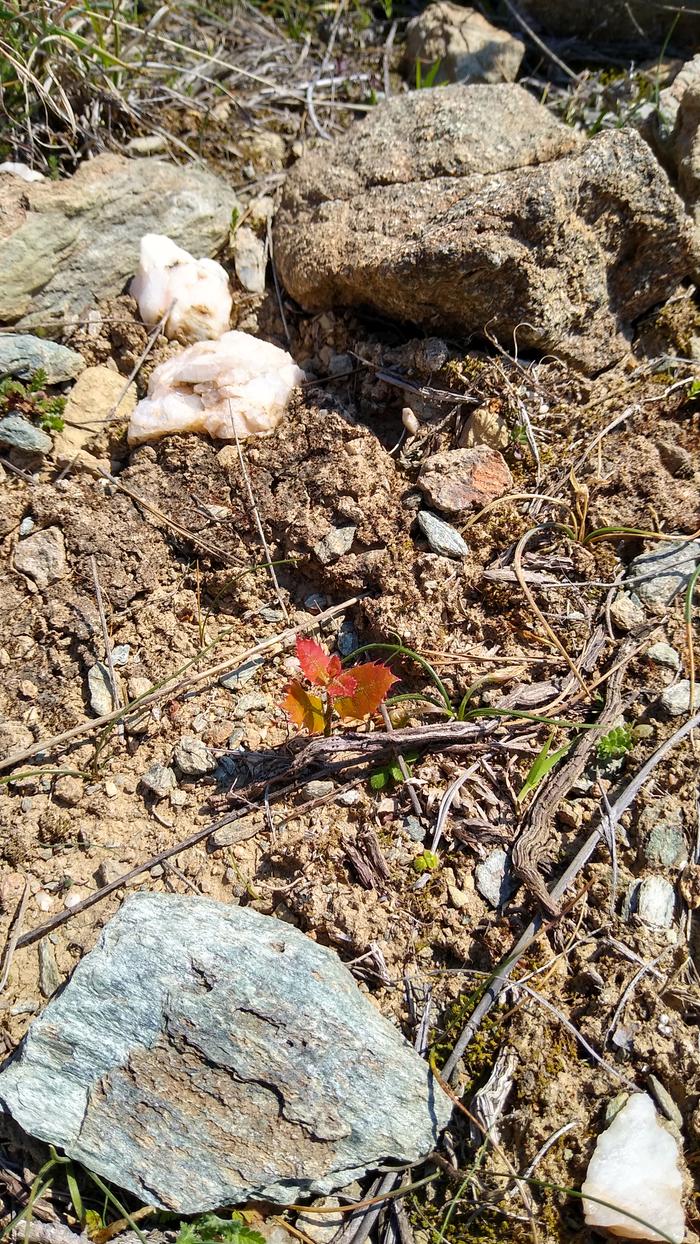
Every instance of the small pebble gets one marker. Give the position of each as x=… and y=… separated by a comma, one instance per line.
x=665, y=844
x=26, y=526
x=675, y=700
x=335, y=544
x=664, y=654
x=653, y=900
x=239, y=677
x=441, y=536
x=492, y=880
x=99, y=685
x=159, y=780
x=626, y=611
x=193, y=757
x=348, y=798
x=120, y=655
x=413, y=828
x=665, y=1102
x=316, y=790
x=18, y=433
x=49, y=976
x=252, y=702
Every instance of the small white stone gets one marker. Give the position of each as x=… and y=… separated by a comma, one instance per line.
x=635, y=1168
x=191, y=295
x=21, y=170
x=664, y=654
x=626, y=611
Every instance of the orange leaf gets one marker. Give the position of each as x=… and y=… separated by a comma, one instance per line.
x=373, y=683
x=303, y=708
x=316, y=665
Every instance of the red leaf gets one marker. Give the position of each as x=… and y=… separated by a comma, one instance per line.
x=316, y=665
x=345, y=684
x=303, y=708
x=373, y=683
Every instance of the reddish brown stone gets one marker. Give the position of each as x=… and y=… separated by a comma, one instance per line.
x=464, y=479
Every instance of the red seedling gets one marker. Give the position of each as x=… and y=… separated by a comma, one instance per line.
x=355, y=693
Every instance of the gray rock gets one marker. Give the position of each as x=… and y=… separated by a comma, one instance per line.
x=665, y=1102
x=492, y=878
x=666, y=571
x=22, y=355
x=466, y=47
x=159, y=780
x=653, y=900
x=250, y=260
x=100, y=688
x=120, y=655
x=336, y=544
x=441, y=537
x=664, y=654
x=42, y=556
x=68, y=244
x=413, y=828
x=252, y=702
x=19, y=433
x=49, y=976
x=204, y=1055
x=461, y=207
x=192, y=756
x=239, y=677
x=317, y=789
x=634, y=23
x=626, y=611
x=675, y=700
x=665, y=844
x=27, y=526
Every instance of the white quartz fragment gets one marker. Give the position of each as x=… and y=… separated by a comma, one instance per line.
x=236, y=385
x=634, y=1167
x=21, y=170
x=192, y=293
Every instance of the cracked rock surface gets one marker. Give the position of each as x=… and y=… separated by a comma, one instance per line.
x=203, y=1054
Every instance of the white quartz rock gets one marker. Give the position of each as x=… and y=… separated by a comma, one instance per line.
x=21, y=170
x=193, y=293
x=237, y=384
x=634, y=1167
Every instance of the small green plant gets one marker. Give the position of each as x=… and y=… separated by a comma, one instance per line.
x=544, y=762
x=30, y=399
x=426, y=79
x=390, y=774
x=426, y=862
x=615, y=744
x=210, y=1229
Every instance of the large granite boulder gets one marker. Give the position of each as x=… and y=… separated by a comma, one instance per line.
x=472, y=210
x=203, y=1055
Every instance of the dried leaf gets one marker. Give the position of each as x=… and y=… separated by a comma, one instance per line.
x=304, y=708
x=316, y=665
x=373, y=683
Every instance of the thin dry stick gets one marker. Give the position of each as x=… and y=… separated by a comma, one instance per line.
x=114, y=689
x=402, y=765
x=175, y=685
x=502, y=973
x=256, y=512
x=518, y=17
x=13, y=937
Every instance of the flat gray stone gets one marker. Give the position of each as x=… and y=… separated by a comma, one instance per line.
x=20, y=433
x=664, y=654
x=675, y=700
x=192, y=757
x=665, y=844
x=204, y=1055
x=239, y=677
x=159, y=780
x=441, y=537
x=667, y=570
x=336, y=544
x=492, y=880
x=100, y=687
x=653, y=900
x=42, y=556
x=22, y=354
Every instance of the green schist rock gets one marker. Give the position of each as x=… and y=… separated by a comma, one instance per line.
x=22, y=355
x=204, y=1055
x=442, y=537
x=19, y=433
x=666, y=571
